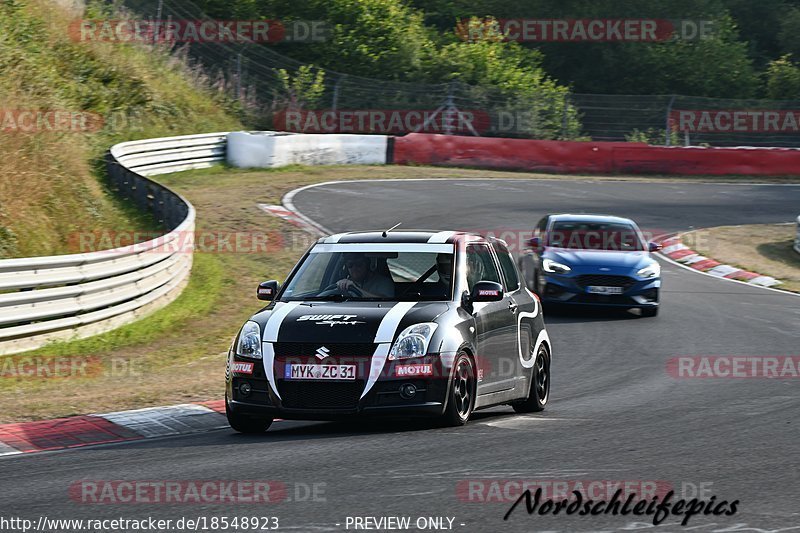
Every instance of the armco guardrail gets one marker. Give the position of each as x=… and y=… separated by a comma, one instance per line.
x=72, y=296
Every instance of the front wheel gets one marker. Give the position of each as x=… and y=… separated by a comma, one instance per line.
x=539, y=391
x=246, y=424
x=461, y=397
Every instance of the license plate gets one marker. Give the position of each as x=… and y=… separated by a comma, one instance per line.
x=598, y=289
x=320, y=372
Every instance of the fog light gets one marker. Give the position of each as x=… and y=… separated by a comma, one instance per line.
x=245, y=389
x=408, y=391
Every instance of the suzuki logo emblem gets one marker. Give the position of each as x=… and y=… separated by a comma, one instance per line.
x=322, y=352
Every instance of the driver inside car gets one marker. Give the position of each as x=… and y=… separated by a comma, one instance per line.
x=441, y=287
x=370, y=284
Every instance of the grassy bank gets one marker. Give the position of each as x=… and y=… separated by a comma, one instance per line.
x=51, y=173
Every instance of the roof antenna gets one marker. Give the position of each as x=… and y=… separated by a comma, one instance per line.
x=386, y=232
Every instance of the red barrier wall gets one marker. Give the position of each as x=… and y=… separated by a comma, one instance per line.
x=601, y=157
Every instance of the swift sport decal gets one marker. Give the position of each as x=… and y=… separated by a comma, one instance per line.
x=330, y=320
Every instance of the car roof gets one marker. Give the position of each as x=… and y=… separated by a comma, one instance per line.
x=568, y=217
x=404, y=236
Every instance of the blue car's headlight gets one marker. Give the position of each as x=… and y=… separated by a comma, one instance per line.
x=413, y=341
x=652, y=270
x=555, y=268
x=249, y=344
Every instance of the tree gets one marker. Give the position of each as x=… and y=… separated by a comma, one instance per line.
x=783, y=79
x=506, y=77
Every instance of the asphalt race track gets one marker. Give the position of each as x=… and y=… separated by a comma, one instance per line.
x=615, y=412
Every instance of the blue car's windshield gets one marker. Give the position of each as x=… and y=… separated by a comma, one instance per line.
x=594, y=236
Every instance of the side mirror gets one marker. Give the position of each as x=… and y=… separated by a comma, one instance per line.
x=267, y=290
x=486, y=291
x=535, y=243
x=653, y=246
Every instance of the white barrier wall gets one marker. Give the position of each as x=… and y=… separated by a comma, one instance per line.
x=271, y=149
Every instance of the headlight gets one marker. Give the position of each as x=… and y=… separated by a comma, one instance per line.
x=650, y=271
x=413, y=341
x=551, y=266
x=249, y=344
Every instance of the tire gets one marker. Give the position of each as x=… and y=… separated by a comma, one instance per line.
x=539, y=391
x=649, y=311
x=462, y=391
x=246, y=424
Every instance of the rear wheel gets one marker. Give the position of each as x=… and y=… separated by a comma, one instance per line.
x=461, y=397
x=246, y=424
x=539, y=391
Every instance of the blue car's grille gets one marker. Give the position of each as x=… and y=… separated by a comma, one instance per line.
x=603, y=280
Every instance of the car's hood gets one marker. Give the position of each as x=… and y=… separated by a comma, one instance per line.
x=598, y=258
x=343, y=322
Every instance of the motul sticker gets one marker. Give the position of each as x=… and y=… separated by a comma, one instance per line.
x=487, y=292
x=413, y=370
x=243, y=368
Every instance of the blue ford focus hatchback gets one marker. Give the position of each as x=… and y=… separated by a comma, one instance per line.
x=592, y=260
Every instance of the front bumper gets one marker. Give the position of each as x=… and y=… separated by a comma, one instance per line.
x=334, y=400
x=569, y=290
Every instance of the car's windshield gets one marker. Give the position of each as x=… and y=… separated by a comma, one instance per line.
x=614, y=236
x=410, y=274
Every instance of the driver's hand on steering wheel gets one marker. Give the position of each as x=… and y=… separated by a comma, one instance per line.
x=345, y=284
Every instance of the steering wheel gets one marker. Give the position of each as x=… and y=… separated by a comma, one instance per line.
x=333, y=288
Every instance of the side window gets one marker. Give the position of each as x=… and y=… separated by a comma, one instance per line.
x=480, y=265
x=509, y=269
x=541, y=226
